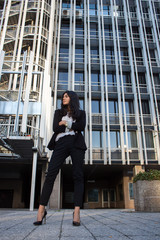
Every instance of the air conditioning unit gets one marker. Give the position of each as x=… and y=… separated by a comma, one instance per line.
x=79, y=13
x=65, y=13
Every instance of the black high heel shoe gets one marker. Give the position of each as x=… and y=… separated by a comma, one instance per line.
x=75, y=223
x=37, y=223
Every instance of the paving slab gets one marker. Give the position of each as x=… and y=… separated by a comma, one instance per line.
x=99, y=224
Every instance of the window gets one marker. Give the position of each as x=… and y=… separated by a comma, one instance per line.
x=79, y=54
x=81, y=102
x=58, y=103
x=108, y=31
x=105, y=195
x=112, y=82
x=79, y=81
x=106, y=10
x=141, y=78
x=93, y=30
x=64, y=53
x=95, y=81
x=79, y=5
x=79, y=77
x=97, y=139
x=113, y=106
x=112, y=195
x=156, y=79
x=66, y=4
x=149, y=140
x=145, y=107
x=79, y=30
x=110, y=58
x=64, y=28
x=111, y=78
x=93, y=8
x=94, y=54
x=135, y=32
x=138, y=54
x=120, y=192
x=131, y=191
x=63, y=76
x=93, y=195
x=158, y=102
x=62, y=80
x=96, y=106
x=152, y=57
x=124, y=55
x=122, y=32
x=132, y=139
x=115, y=139
x=128, y=107
x=149, y=33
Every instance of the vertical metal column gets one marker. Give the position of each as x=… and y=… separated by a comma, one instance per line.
x=20, y=43
x=150, y=80
x=122, y=86
x=86, y=79
x=90, y=88
x=70, y=48
x=55, y=76
x=118, y=83
x=37, y=53
x=27, y=92
x=2, y=54
x=34, y=165
x=5, y=25
x=16, y=44
x=3, y=13
x=131, y=57
x=72, y=80
x=106, y=88
x=20, y=93
x=102, y=83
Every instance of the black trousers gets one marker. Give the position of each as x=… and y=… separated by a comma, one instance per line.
x=65, y=147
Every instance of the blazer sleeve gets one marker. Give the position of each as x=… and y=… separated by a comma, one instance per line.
x=57, y=118
x=80, y=123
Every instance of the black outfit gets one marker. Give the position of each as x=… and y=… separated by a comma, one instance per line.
x=73, y=145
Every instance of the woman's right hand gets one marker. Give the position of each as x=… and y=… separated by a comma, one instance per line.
x=62, y=123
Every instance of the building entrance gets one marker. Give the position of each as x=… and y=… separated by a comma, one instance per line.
x=109, y=198
x=103, y=187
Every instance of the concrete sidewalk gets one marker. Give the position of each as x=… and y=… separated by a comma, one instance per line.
x=95, y=225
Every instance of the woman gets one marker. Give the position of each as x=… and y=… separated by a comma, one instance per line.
x=67, y=140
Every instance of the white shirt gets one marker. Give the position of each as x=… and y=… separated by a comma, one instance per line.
x=69, y=121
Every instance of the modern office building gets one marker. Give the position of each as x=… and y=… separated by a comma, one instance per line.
x=108, y=51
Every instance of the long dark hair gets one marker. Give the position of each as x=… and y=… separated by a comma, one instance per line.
x=73, y=105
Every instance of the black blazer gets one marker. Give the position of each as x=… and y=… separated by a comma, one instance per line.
x=78, y=126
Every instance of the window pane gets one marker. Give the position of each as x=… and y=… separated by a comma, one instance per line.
x=112, y=195
x=81, y=104
x=105, y=195
x=96, y=106
x=96, y=143
x=63, y=76
x=113, y=106
x=132, y=139
x=58, y=103
x=129, y=107
x=79, y=77
x=93, y=195
x=145, y=107
x=149, y=140
x=131, y=190
x=115, y=139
